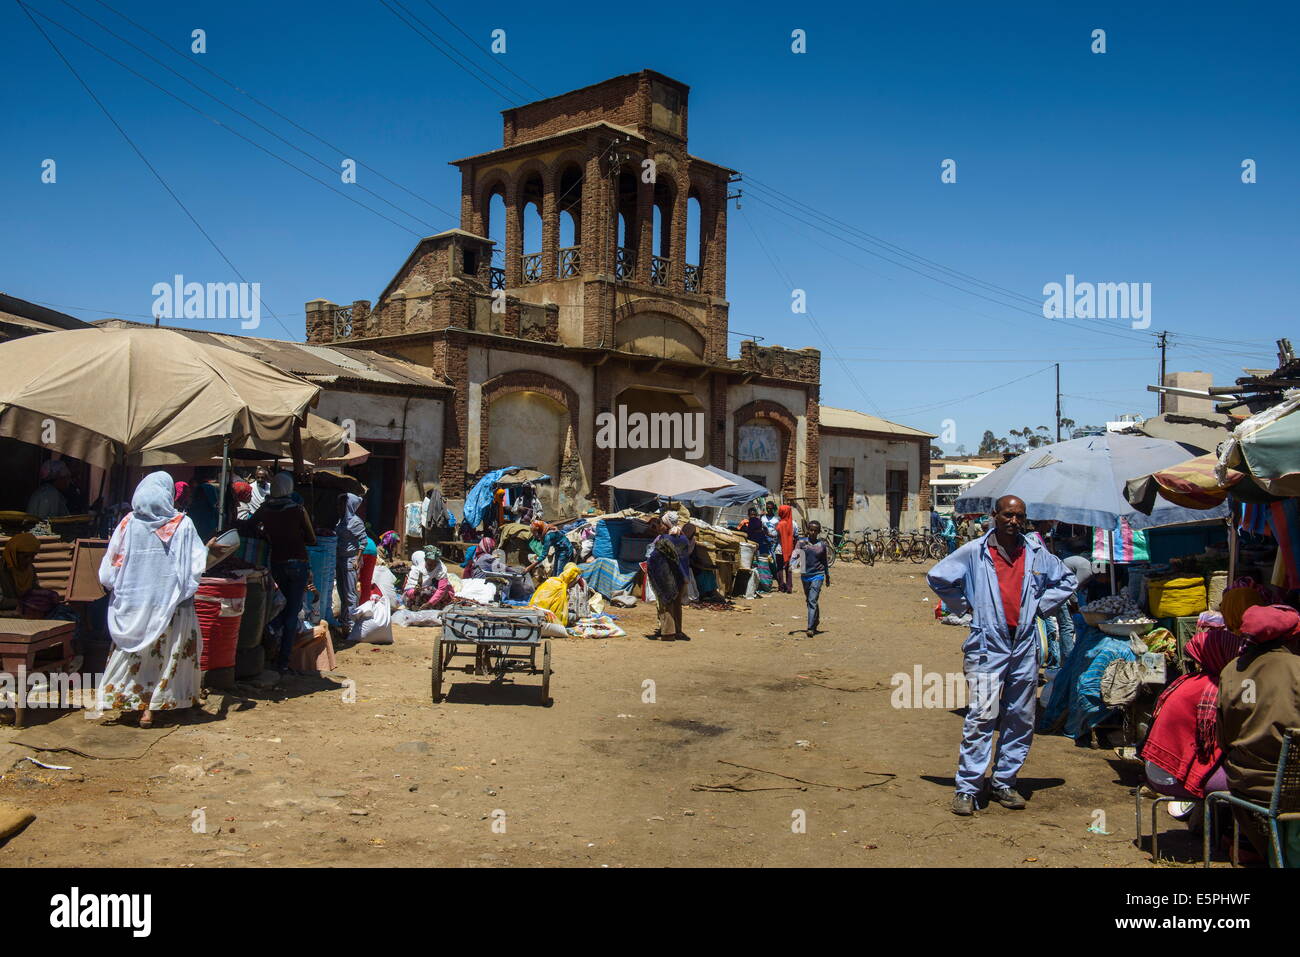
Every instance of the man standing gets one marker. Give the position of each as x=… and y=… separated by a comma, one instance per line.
x=1004, y=579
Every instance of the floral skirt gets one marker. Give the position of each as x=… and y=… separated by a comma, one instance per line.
x=163, y=677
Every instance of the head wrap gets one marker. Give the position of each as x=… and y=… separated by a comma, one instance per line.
x=24, y=543
x=181, y=489
x=243, y=491
x=153, y=563
x=431, y=554
x=1234, y=603
x=1212, y=649
x=486, y=544
x=785, y=530
x=282, y=485
x=1265, y=624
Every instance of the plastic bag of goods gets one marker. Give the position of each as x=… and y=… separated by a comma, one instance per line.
x=372, y=621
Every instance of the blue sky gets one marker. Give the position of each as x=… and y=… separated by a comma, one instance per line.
x=1115, y=167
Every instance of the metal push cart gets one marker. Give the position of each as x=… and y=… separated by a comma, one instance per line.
x=504, y=640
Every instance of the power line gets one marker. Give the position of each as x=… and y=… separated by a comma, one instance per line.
x=144, y=159
x=495, y=60
x=275, y=112
x=237, y=112
x=1012, y=308
x=949, y=402
x=893, y=247
x=219, y=123
x=813, y=319
x=511, y=96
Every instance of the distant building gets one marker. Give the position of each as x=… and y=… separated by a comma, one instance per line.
x=1185, y=404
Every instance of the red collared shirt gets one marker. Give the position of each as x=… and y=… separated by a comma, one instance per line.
x=1011, y=578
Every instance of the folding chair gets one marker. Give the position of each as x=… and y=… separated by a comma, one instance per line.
x=1155, y=831
x=1284, y=806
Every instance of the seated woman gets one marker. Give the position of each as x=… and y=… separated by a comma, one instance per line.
x=1257, y=699
x=427, y=584
x=1182, y=753
x=20, y=589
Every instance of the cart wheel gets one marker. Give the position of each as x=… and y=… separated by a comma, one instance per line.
x=437, y=669
x=546, y=674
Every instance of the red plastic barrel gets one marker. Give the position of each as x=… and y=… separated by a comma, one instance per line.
x=219, y=604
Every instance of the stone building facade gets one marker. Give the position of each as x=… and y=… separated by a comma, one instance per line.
x=604, y=306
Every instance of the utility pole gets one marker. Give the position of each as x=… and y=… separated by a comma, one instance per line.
x=1160, y=408
x=1058, y=402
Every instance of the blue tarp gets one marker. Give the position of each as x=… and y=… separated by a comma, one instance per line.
x=480, y=496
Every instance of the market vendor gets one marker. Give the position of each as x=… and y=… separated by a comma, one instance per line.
x=555, y=546
x=1257, y=699
x=19, y=586
x=667, y=567
x=427, y=583
x=1005, y=579
x=50, y=498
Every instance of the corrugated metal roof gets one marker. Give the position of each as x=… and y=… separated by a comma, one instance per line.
x=832, y=418
x=321, y=363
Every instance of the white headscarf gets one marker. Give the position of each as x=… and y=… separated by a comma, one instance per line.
x=154, y=562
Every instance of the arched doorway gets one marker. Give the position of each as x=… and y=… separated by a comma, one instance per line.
x=672, y=426
x=530, y=429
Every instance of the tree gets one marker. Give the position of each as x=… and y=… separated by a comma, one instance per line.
x=961, y=450
x=936, y=452
x=989, y=444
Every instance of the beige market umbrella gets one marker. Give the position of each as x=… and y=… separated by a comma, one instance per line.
x=112, y=395
x=322, y=442
x=669, y=478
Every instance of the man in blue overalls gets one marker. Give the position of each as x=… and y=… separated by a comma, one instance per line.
x=1005, y=580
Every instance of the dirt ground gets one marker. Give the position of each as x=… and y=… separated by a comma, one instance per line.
x=295, y=775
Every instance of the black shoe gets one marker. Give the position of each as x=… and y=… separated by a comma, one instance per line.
x=963, y=804
x=1008, y=798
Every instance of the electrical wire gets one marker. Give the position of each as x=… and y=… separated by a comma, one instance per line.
x=144, y=159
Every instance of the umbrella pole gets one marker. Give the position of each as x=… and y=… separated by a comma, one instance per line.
x=295, y=447
x=1112, y=578
x=225, y=480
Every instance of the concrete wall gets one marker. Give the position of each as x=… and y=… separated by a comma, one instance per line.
x=1186, y=405
x=870, y=457
x=415, y=421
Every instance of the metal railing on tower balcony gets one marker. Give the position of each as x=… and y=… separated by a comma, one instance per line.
x=533, y=267
x=343, y=322
x=497, y=277
x=694, y=275
x=625, y=263
x=658, y=271
x=570, y=261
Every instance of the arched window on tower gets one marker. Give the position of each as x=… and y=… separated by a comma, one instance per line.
x=494, y=225
x=628, y=226
x=694, y=244
x=569, y=202
x=530, y=226
x=661, y=243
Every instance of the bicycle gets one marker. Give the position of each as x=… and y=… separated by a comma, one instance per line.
x=840, y=546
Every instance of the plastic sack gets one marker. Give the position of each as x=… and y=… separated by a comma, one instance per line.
x=476, y=589
x=1176, y=597
x=384, y=578
x=372, y=622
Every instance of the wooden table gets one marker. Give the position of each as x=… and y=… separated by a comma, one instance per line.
x=22, y=641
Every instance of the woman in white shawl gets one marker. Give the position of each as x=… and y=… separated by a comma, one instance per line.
x=152, y=567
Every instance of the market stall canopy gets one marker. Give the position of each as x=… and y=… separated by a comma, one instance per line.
x=518, y=476
x=323, y=442
x=740, y=492
x=1082, y=482
x=1267, y=445
x=1191, y=484
x=104, y=395
x=669, y=478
